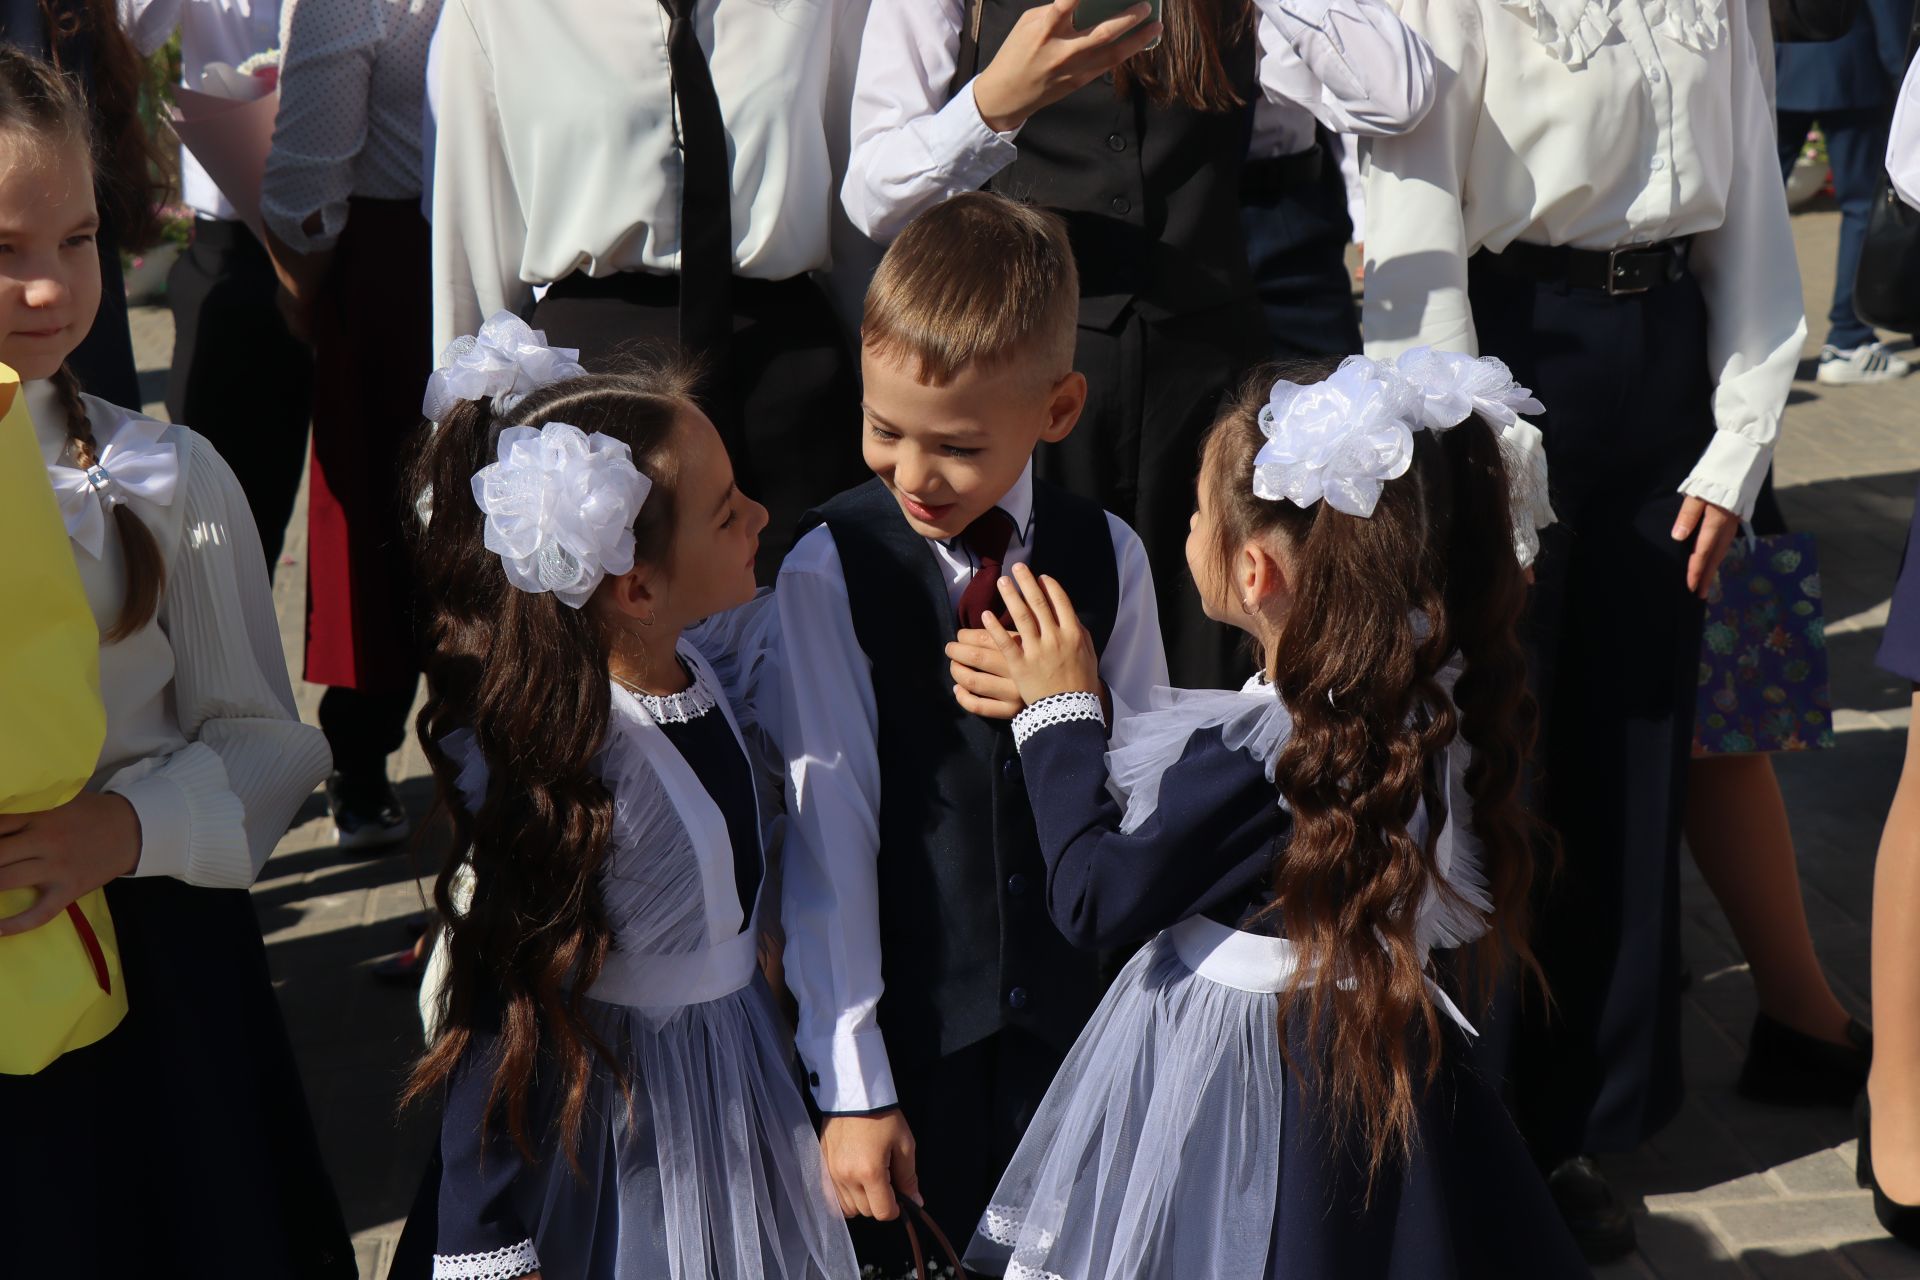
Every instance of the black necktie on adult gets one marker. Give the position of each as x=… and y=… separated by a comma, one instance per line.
x=706, y=196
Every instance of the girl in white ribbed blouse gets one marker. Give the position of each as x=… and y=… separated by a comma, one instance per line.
x=180, y=1143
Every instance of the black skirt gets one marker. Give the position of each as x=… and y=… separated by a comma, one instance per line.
x=181, y=1144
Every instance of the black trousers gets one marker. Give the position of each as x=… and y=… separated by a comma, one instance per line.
x=968, y=1112
x=1614, y=639
x=1154, y=386
x=786, y=397
x=239, y=378
x=1294, y=210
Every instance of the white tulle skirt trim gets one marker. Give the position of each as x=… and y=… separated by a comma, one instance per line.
x=714, y=1172
x=1157, y=1151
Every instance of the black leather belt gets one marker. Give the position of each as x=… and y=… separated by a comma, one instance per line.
x=1630, y=270
x=1278, y=175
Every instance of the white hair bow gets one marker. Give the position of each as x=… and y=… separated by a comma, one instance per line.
x=560, y=507
x=1343, y=438
x=1340, y=439
x=133, y=462
x=504, y=362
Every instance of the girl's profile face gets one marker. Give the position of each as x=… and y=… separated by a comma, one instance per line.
x=1203, y=551
x=49, y=265
x=717, y=528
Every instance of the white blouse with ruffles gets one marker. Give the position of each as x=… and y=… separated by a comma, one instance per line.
x=1598, y=124
x=202, y=736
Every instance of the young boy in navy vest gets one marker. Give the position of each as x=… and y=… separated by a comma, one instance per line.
x=936, y=998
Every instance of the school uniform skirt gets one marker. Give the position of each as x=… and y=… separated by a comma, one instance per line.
x=180, y=1144
x=1178, y=1141
x=1614, y=643
x=1900, y=643
x=373, y=330
x=785, y=396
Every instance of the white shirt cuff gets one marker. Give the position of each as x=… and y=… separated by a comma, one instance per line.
x=1730, y=472
x=850, y=1074
x=961, y=124
x=192, y=826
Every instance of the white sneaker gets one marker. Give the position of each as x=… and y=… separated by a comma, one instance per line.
x=1869, y=362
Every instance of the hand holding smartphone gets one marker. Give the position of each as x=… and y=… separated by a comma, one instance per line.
x=1056, y=49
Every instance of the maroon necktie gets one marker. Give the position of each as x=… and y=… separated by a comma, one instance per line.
x=987, y=538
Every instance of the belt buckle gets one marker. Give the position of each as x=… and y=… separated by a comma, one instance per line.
x=1614, y=288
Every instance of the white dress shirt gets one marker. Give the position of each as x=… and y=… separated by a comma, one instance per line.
x=229, y=31
x=1903, y=143
x=830, y=899
x=1349, y=64
x=353, y=77
x=1645, y=120
x=556, y=148
x=202, y=736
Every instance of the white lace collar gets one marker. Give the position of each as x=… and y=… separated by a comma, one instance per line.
x=1573, y=30
x=692, y=702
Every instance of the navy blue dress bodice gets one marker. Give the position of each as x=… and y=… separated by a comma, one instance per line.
x=706, y=742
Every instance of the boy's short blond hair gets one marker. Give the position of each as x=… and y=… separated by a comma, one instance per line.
x=976, y=280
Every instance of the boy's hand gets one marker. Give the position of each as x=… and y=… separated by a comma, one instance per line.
x=1045, y=58
x=868, y=1158
x=1053, y=653
x=982, y=683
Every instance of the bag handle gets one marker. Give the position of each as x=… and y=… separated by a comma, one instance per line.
x=910, y=1214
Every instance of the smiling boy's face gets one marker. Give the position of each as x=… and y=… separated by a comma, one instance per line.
x=950, y=453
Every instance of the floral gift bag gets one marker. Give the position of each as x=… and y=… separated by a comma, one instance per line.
x=1763, y=657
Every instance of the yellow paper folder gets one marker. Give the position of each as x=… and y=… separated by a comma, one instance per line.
x=60, y=985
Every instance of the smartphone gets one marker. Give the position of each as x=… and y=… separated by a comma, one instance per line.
x=1091, y=13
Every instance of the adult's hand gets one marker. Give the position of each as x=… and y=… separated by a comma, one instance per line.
x=1045, y=58
x=1712, y=529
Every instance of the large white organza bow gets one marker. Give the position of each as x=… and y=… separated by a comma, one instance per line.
x=1339, y=440
x=560, y=507
x=504, y=362
x=1453, y=385
x=134, y=462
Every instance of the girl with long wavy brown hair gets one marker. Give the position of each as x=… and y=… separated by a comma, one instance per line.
x=1277, y=1083
x=618, y=1096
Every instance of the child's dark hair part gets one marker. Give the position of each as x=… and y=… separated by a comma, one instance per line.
x=1358, y=671
x=526, y=675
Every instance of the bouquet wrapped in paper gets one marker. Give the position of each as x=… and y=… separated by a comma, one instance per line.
x=227, y=123
x=60, y=985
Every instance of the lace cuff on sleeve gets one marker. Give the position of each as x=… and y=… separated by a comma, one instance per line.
x=1061, y=708
x=497, y=1264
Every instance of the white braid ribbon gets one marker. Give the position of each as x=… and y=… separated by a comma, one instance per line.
x=133, y=462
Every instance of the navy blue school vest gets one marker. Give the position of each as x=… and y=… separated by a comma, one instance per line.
x=1151, y=194
x=966, y=946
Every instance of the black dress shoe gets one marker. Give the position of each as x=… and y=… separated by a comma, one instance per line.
x=1901, y=1221
x=1598, y=1222
x=366, y=812
x=1787, y=1068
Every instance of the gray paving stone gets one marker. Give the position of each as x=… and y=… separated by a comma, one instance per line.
x=1799, y=1220
x=1884, y=1259
x=1682, y=1245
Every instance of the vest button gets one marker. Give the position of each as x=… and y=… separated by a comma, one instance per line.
x=1122, y=205
x=1116, y=143
x=1011, y=769
x=1106, y=77
x=813, y=1078
x=1017, y=885
x=1017, y=997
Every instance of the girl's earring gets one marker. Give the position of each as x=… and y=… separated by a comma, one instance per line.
x=1245, y=607
x=647, y=621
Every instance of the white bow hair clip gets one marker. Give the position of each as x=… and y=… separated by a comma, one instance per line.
x=560, y=506
x=136, y=462
x=1343, y=438
x=505, y=362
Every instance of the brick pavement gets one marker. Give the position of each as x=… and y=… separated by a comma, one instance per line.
x=1730, y=1190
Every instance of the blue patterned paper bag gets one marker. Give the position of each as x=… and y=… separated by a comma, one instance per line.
x=1763, y=657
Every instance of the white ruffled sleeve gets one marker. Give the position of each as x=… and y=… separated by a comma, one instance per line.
x=211, y=812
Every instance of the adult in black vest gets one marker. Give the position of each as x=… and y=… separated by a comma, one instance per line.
x=1141, y=151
